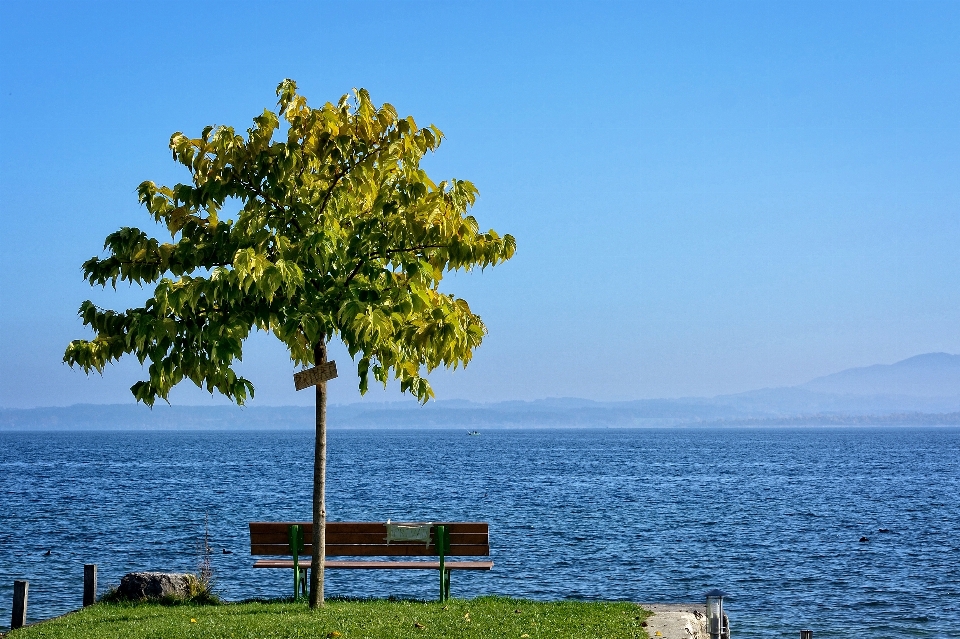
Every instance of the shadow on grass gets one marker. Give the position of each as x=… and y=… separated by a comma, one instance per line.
x=202, y=598
x=334, y=599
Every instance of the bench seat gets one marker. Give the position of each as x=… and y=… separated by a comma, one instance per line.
x=379, y=565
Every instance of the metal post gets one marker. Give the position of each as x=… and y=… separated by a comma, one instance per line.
x=441, y=550
x=296, y=547
x=89, y=584
x=446, y=571
x=806, y=634
x=19, y=617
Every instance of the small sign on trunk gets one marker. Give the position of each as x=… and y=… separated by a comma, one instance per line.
x=315, y=375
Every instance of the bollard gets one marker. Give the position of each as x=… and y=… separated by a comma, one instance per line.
x=19, y=618
x=806, y=634
x=89, y=584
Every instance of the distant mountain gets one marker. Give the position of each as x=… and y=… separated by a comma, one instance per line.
x=790, y=401
x=923, y=384
x=921, y=390
x=930, y=375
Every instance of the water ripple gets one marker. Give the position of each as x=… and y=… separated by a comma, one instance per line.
x=772, y=516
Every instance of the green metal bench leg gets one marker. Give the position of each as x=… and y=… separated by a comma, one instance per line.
x=443, y=547
x=443, y=589
x=296, y=547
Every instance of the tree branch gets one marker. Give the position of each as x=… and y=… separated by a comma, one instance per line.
x=408, y=249
x=352, y=275
x=269, y=200
x=339, y=176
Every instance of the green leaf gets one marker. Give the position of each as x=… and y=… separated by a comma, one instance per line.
x=338, y=234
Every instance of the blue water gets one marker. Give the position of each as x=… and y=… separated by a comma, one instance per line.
x=772, y=516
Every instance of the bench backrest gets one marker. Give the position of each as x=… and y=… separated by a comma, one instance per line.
x=367, y=539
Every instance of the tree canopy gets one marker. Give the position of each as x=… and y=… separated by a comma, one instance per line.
x=339, y=234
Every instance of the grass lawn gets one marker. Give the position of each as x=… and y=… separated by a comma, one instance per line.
x=481, y=618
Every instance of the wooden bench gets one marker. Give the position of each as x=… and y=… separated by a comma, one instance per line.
x=369, y=539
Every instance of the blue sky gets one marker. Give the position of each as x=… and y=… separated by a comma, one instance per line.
x=707, y=197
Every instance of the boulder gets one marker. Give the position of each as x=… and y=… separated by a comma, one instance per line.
x=677, y=621
x=157, y=585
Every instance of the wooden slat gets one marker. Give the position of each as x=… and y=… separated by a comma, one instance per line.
x=366, y=539
x=278, y=550
x=363, y=526
x=371, y=537
x=393, y=550
x=400, y=550
x=380, y=565
x=361, y=538
x=372, y=551
x=338, y=537
x=411, y=565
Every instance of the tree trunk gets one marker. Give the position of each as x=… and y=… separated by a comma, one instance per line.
x=319, y=484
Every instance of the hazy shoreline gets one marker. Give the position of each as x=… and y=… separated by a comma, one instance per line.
x=920, y=391
x=131, y=417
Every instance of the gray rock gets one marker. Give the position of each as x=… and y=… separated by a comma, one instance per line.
x=156, y=585
x=677, y=621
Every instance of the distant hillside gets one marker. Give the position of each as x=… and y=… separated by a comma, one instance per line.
x=930, y=375
x=798, y=400
x=443, y=414
x=892, y=419
x=920, y=390
x=542, y=414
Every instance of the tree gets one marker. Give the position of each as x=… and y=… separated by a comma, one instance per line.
x=339, y=234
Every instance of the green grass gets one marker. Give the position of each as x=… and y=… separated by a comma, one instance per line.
x=482, y=618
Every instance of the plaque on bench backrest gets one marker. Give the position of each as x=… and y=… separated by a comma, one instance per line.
x=408, y=532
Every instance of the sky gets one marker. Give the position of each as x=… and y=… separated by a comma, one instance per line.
x=707, y=197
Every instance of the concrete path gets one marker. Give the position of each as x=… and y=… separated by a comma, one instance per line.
x=677, y=621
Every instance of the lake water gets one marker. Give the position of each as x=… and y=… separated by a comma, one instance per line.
x=772, y=516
